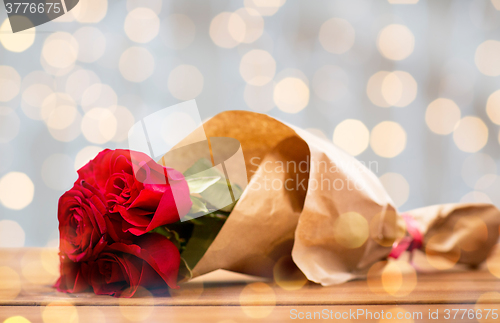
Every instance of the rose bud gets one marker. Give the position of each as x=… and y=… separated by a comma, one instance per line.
x=137, y=188
x=152, y=263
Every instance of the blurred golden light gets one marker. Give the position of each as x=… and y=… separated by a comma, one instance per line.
x=352, y=136
x=99, y=96
x=399, y=278
x=487, y=58
x=60, y=50
x=374, y=277
x=330, y=83
x=79, y=81
x=386, y=227
x=50, y=261
x=10, y=283
x=392, y=89
x=257, y=300
x=99, y=125
x=496, y=4
x=257, y=67
x=134, y=313
x=291, y=72
x=265, y=42
x=351, y=230
x=476, y=197
x=493, y=107
x=409, y=91
x=32, y=98
x=69, y=133
x=125, y=120
x=442, y=115
x=9, y=124
x=227, y=30
x=10, y=83
x=178, y=31
x=395, y=42
x=62, y=117
x=90, y=11
x=11, y=234
x=259, y=98
x=58, y=172
x=254, y=24
x=265, y=7
x=38, y=77
x=438, y=254
x=91, y=44
x=470, y=134
x=18, y=42
x=493, y=261
x=16, y=319
x=291, y=95
x=374, y=89
x=474, y=232
x=55, y=71
x=142, y=25
x=386, y=89
x=485, y=181
x=185, y=82
x=388, y=139
x=136, y=64
x=154, y=5
x=397, y=187
x=487, y=303
x=399, y=89
x=336, y=35
x=59, y=312
x=34, y=270
x=85, y=155
x=59, y=112
x=16, y=190
x=287, y=275
x=90, y=314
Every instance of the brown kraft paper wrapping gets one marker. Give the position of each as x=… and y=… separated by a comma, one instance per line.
x=333, y=217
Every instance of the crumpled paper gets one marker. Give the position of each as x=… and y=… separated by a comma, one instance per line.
x=326, y=209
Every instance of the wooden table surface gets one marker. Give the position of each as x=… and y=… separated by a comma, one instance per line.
x=26, y=276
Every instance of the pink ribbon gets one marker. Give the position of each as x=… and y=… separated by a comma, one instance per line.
x=412, y=241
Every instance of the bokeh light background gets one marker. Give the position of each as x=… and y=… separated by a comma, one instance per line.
x=410, y=86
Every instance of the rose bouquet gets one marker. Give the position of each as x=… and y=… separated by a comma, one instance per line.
x=119, y=225
x=130, y=221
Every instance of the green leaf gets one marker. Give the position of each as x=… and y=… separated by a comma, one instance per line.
x=185, y=273
x=201, y=165
x=202, y=237
x=198, y=206
x=200, y=184
x=217, y=194
x=170, y=235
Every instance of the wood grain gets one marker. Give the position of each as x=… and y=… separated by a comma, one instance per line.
x=222, y=295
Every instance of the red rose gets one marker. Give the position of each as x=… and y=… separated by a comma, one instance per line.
x=83, y=225
x=153, y=263
x=138, y=189
x=73, y=276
